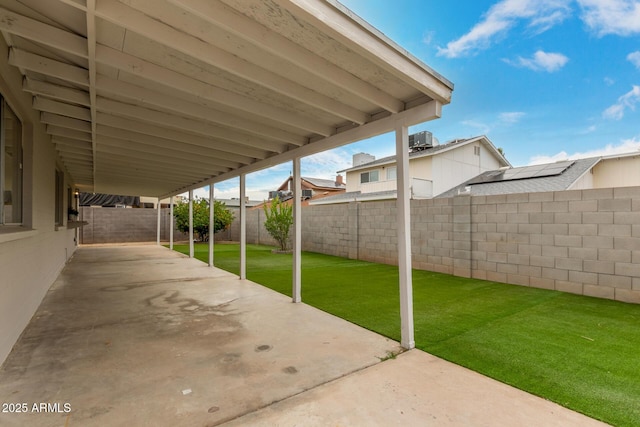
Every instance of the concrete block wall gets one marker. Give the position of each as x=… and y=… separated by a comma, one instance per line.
x=432, y=229
x=377, y=238
x=585, y=242
x=331, y=229
x=256, y=233
x=112, y=225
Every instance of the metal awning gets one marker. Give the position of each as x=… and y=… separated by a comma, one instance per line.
x=156, y=97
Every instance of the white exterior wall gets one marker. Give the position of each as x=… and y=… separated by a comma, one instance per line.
x=617, y=172
x=421, y=167
x=353, y=178
x=446, y=169
x=458, y=165
x=584, y=183
x=30, y=260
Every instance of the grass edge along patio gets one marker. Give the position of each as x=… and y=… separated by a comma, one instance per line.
x=578, y=351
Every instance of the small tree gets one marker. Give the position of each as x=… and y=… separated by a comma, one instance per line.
x=279, y=218
x=222, y=216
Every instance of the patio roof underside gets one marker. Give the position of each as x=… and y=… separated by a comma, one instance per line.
x=155, y=97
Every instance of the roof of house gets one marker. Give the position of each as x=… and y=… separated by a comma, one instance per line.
x=520, y=180
x=355, y=196
x=324, y=183
x=436, y=149
x=556, y=177
x=318, y=183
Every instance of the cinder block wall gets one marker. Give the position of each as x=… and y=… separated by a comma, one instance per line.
x=256, y=233
x=585, y=242
x=331, y=229
x=112, y=225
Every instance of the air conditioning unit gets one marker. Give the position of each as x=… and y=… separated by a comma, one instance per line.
x=420, y=141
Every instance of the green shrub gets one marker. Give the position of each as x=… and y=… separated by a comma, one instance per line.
x=222, y=218
x=279, y=218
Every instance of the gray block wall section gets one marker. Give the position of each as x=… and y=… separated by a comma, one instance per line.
x=585, y=242
x=112, y=225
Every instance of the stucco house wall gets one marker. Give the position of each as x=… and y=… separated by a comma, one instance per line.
x=585, y=182
x=617, y=172
x=445, y=169
x=457, y=165
x=31, y=256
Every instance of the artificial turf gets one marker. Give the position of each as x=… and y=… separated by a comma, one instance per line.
x=581, y=352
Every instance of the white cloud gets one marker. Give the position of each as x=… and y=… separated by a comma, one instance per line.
x=483, y=128
x=324, y=165
x=620, y=17
x=609, y=81
x=634, y=58
x=501, y=17
x=254, y=192
x=511, y=117
x=427, y=37
x=541, y=61
x=625, y=146
x=628, y=100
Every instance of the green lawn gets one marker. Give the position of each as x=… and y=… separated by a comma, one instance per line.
x=581, y=352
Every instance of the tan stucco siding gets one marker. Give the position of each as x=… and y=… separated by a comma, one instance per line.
x=618, y=172
x=31, y=257
x=421, y=167
x=353, y=178
x=455, y=166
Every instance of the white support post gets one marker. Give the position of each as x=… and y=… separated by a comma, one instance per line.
x=243, y=228
x=191, y=249
x=211, y=224
x=171, y=223
x=404, y=237
x=296, y=292
x=158, y=226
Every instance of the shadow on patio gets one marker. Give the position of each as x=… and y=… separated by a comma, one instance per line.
x=140, y=335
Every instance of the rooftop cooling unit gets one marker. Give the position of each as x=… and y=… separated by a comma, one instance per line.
x=420, y=141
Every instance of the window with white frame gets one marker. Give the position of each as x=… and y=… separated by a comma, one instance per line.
x=10, y=165
x=392, y=173
x=371, y=176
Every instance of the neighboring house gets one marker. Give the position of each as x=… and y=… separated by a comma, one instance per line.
x=622, y=170
x=312, y=189
x=596, y=172
x=433, y=169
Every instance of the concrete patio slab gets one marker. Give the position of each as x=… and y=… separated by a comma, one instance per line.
x=415, y=389
x=143, y=336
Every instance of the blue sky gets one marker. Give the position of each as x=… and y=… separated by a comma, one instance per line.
x=543, y=79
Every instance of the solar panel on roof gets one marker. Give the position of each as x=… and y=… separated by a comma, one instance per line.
x=525, y=172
